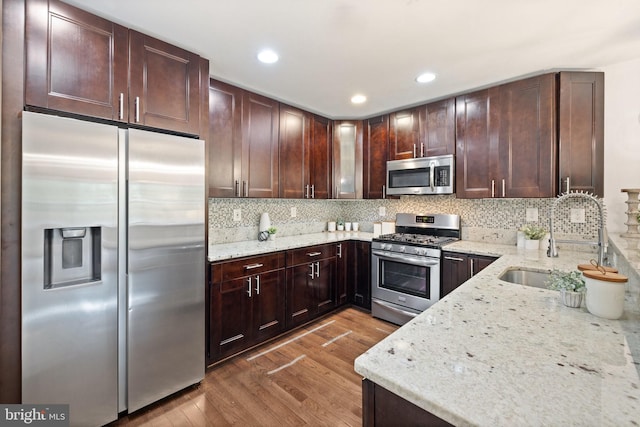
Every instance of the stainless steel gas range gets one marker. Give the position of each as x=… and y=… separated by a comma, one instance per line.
x=405, y=265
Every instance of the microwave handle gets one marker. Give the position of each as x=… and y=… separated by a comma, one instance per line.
x=431, y=176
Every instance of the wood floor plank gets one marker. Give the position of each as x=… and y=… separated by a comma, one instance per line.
x=304, y=378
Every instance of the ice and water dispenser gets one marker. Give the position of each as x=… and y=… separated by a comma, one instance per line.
x=71, y=256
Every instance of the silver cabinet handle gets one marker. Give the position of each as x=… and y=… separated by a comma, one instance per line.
x=422, y=149
x=317, y=268
x=384, y=191
x=340, y=250
x=568, y=180
x=493, y=188
x=503, y=188
x=257, y=285
x=450, y=258
x=472, y=273
x=312, y=272
x=249, y=287
x=314, y=253
x=252, y=266
x=245, y=189
x=121, y=106
x=137, y=119
x=414, y=151
x=313, y=191
x=237, y=188
x=306, y=191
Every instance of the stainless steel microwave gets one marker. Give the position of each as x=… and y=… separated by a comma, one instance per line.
x=424, y=175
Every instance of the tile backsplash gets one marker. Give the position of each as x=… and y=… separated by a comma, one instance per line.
x=491, y=220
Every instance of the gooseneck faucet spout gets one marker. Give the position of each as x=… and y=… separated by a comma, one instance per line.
x=553, y=249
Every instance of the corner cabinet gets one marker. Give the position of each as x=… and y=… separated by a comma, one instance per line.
x=347, y=159
x=457, y=268
x=246, y=303
x=80, y=63
x=581, y=132
x=243, y=143
x=311, y=283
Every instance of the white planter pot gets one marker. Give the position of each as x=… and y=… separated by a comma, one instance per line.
x=272, y=237
x=531, y=245
x=571, y=298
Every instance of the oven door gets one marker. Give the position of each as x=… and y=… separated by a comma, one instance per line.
x=408, y=281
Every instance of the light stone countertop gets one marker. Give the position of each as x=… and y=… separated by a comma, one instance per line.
x=223, y=251
x=493, y=353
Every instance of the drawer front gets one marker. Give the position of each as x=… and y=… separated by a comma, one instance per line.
x=310, y=253
x=228, y=270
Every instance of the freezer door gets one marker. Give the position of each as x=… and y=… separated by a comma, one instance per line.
x=69, y=288
x=166, y=265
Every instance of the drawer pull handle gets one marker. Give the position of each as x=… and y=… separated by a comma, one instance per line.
x=252, y=266
x=450, y=258
x=314, y=253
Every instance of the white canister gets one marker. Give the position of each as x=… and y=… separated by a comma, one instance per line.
x=605, y=293
x=331, y=226
x=355, y=226
x=347, y=226
x=520, y=239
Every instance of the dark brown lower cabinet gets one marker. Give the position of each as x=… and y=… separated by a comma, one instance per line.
x=246, y=304
x=362, y=274
x=311, y=283
x=381, y=408
x=457, y=268
x=344, y=265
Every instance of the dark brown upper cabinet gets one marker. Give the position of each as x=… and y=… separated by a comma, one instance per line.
x=404, y=140
x=505, y=140
x=305, y=154
x=581, y=132
x=375, y=151
x=243, y=143
x=80, y=63
x=437, y=122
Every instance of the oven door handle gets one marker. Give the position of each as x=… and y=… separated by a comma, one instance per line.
x=407, y=259
x=392, y=307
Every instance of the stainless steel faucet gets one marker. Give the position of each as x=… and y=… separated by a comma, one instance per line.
x=553, y=249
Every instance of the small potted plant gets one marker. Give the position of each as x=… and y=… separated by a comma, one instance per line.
x=340, y=225
x=532, y=236
x=272, y=233
x=570, y=284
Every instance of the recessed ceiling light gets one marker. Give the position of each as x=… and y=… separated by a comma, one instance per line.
x=426, y=78
x=358, y=99
x=267, y=56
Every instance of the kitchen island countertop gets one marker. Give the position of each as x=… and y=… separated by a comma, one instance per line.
x=223, y=251
x=493, y=353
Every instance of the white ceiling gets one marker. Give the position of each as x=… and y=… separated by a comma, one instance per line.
x=332, y=49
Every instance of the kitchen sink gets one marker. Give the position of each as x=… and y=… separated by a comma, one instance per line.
x=525, y=276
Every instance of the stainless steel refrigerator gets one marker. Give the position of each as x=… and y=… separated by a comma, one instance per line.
x=113, y=264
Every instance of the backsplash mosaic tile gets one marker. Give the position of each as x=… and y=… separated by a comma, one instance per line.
x=490, y=220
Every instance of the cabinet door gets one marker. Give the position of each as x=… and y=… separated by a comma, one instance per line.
x=375, y=156
x=581, y=132
x=260, y=119
x=225, y=139
x=294, y=145
x=164, y=85
x=455, y=271
x=300, y=303
x=438, y=128
x=75, y=61
x=268, y=305
x=347, y=159
x=479, y=263
x=344, y=266
x=362, y=295
x=229, y=317
x=527, y=138
x=320, y=161
x=477, y=127
x=324, y=285
x=404, y=141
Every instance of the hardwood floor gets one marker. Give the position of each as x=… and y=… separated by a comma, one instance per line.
x=305, y=377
